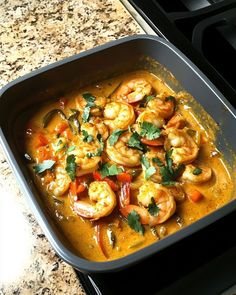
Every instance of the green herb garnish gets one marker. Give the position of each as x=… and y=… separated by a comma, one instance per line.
x=149, y=97
x=197, y=171
x=170, y=98
x=115, y=136
x=87, y=137
x=150, y=170
x=134, y=222
x=109, y=170
x=71, y=166
x=99, y=151
x=158, y=162
x=145, y=162
x=134, y=142
x=149, y=130
x=90, y=103
x=168, y=172
x=153, y=209
x=71, y=148
x=45, y=165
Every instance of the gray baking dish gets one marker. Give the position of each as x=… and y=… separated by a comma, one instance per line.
x=96, y=64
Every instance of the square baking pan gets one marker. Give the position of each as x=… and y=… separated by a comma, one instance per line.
x=116, y=57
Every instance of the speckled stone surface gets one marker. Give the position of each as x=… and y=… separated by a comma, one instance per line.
x=34, y=34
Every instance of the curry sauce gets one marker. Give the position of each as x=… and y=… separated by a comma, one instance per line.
x=124, y=163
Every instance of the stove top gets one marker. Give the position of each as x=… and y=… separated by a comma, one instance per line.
x=204, y=30
x=204, y=263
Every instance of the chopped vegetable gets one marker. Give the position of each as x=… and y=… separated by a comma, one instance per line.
x=149, y=131
x=87, y=137
x=195, y=196
x=97, y=176
x=124, y=196
x=45, y=165
x=150, y=170
x=153, y=209
x=145, y=162
x=115, y=136
x=63, y=102
x=135, y=142
x=48, y=117
x=197, y=171
x=109, y=170
x=124, y=177
x=134, y=222
x=71, y=166
x=157, y=161
x=99, y=150
x=71, y=148
x=98, y=237
x=74, y=122
x=168, y=172
x=41, y=139
x=154, y=142
x=90, y=103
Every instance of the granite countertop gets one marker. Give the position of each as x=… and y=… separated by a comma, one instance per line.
x=34, y=34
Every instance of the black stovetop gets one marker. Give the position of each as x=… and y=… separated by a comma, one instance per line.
x=204, y=263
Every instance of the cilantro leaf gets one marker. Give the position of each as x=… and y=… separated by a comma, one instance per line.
x=99, y=151
x=115, y=136
x=145, y=162
x=134, y=222
x=109, y=170
x=45, y=165
x=178, y=170
x=90, y=103
x=158, y=162
x=169, y=173
x=71, y=166
x=170, y=98
x=149, y=97
x=149, y=172
x=169, y=161
x=197, y=171
x=153, y=209
x=87, y=137
x=71, y=148
x=134, y=142
x=149, y=130
x=169, y=183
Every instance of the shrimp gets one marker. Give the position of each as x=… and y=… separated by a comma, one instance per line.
x=96, y=110
x=134, y=90
x=177, y=192
x=177, y=121
x=204, y=174
x=148, y=192
x=121, y=154
x=60, y=183
x=87, y=156
x=185, y=149
x=101, y=127
x=95, y=127
x=103, y=201
x=150, y=155
x=119, y=115
x=162, y=105
x=150, y=117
